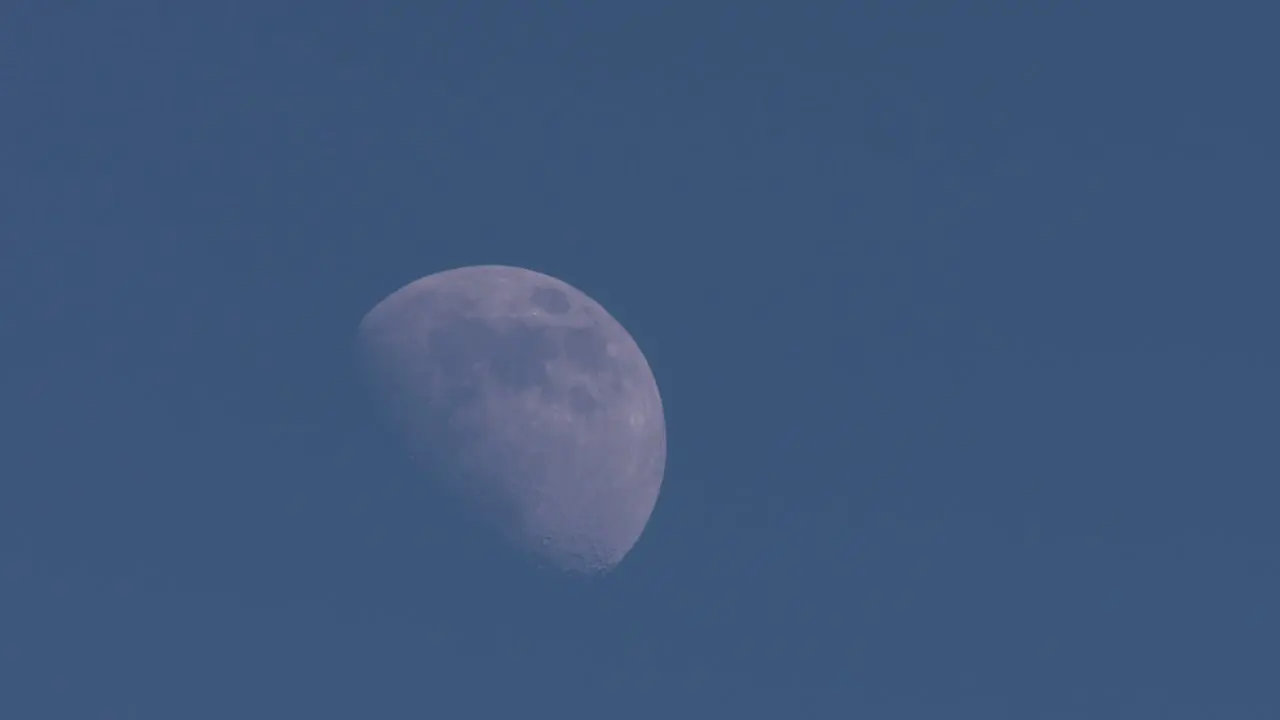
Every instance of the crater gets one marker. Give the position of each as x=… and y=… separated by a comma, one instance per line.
x=551, y=300
x=585, y=348
x=581, y=401
x=516, y=354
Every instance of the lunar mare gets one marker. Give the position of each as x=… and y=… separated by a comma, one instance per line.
x=526, y=400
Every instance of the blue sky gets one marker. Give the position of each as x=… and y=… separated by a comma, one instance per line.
x=963, y=316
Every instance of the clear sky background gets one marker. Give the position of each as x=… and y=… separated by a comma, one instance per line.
x=964, y=315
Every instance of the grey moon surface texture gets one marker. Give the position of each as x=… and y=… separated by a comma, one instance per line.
x=528, y=402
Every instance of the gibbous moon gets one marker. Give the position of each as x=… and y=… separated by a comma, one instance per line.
x=527, y=401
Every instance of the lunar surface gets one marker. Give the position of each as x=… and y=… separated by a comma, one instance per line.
x=527, y=401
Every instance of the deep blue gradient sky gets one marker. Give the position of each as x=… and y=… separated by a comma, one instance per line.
x=964, y=316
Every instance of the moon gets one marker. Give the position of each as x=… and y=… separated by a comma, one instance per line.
x=527, y=401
